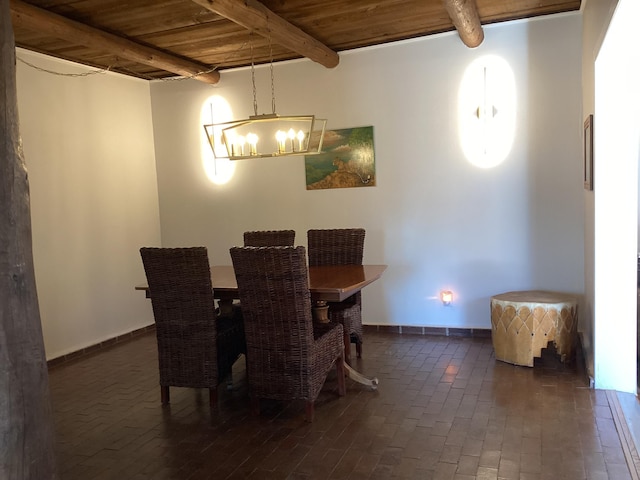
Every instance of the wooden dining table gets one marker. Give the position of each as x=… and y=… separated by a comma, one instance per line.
x=327, y=283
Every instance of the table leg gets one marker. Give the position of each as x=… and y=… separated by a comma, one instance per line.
x=321, y=312
x=321, y=315
x=226, y=306
x=358, y=377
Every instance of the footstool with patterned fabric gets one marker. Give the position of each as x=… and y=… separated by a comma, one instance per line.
x=524, y=322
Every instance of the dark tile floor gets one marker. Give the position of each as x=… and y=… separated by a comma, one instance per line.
x=444, y=409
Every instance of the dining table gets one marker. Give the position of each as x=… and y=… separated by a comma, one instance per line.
x=327, y=283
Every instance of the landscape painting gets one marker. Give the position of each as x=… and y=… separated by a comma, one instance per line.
x=347, y=160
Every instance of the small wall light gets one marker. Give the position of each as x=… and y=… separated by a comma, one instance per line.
x=446, y=296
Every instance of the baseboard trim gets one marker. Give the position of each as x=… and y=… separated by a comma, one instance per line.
x=397, y=329
x=99, y=346
x=588, y=360
x=436, y=331
x=626, y=439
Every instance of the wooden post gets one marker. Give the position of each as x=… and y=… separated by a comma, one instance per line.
x=26, y=422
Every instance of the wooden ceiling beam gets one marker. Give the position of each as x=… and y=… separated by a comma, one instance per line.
x=254, y=16
x=465, y=17
x=33, y=18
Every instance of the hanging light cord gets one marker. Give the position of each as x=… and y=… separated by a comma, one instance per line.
x=168, y=79
x=273, y=90
x=253, y=79
x=253, y=75
x=83, y=74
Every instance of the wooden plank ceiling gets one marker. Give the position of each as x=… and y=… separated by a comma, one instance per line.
x=154, y=39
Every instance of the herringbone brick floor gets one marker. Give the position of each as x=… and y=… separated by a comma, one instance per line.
x=444, y=409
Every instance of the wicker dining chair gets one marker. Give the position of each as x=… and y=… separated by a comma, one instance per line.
x=288, y=355
x=341, y=246
x=269, y=238
x=196, y=346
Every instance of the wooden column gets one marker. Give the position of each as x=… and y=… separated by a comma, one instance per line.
x=26, y=423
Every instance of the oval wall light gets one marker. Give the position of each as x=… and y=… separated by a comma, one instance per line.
x=217, y=168
x=487, y=111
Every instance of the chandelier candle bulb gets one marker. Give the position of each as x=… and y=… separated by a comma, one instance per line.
x=281, y=137
x=252, y=139
x=300, y=140
x=241, y=142
x=292, y=135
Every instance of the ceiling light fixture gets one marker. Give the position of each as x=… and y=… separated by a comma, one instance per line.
x=267, y=135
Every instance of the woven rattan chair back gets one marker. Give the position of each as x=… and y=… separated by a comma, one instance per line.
x=269, y=238
x=341, y=246
x=180, y=289
x=287, y=356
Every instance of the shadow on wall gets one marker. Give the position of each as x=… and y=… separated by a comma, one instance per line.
x=477, y=311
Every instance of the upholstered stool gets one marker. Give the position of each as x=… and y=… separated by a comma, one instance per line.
x=523, y=323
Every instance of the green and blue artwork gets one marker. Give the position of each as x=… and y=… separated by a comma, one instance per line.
x=347, y=160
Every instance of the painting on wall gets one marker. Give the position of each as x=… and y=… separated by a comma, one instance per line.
x=347, y=160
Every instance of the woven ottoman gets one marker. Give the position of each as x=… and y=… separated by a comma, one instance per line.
x=524, y=322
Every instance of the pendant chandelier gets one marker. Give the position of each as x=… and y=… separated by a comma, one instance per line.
x=267, y=135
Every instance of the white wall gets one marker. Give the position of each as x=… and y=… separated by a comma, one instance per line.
x=596, y=16
x=617, y=150
x=434, y=219
x=88, y=145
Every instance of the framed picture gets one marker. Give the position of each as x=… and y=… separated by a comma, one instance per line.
x=347, y=160
x=588, y=153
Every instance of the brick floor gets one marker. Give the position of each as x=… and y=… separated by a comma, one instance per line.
x=444, y=409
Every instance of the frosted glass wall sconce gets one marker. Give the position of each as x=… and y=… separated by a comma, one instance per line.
x=487, y=111
x=219, y=170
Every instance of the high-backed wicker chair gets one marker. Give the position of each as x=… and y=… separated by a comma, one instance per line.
x=341, y=246
x=269, y=238
x=196, y=347
x=288, y=356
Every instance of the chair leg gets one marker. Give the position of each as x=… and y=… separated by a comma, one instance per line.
x=164, y=395
x=347, y=347
x=309, y=410
x=340, y=370
x=359, y=348
x=213, y=397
